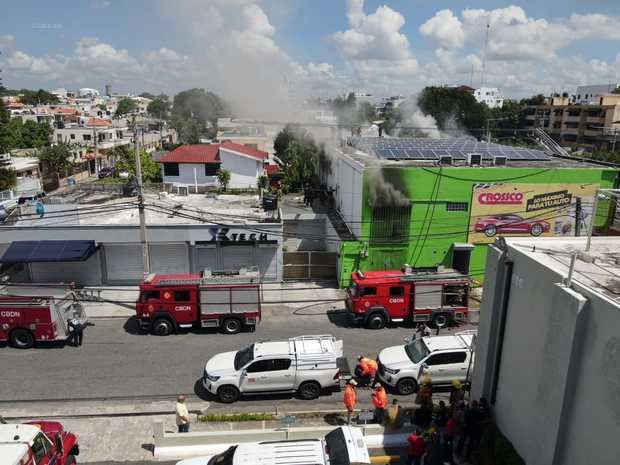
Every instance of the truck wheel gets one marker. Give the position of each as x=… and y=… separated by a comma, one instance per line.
x=22, y=339
x=162, y=327
x=228, y=394
x=309, y=390
x=376, y=321
x=440, y=320
x=406, y=386
x=232, y=326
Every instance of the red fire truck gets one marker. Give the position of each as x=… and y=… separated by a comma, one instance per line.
x=376, y=298
x=25, y=320
x=37, y=443
x=226, y=301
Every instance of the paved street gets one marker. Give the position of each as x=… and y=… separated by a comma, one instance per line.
x=115, y=361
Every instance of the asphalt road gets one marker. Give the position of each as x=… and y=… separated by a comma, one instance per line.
x=117, y=361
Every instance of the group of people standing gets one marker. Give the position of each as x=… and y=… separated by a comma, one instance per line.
x=441, y=432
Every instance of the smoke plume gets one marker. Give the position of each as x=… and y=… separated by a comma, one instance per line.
x=382, y=193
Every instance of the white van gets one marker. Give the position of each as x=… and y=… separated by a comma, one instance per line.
x=306, y=365
x=343, y=446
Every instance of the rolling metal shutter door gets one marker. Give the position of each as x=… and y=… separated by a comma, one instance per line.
x=86, y=273
x=267, y=262
x=123, y=262
x=169, y=258
x=206, y=257
x=236, y=256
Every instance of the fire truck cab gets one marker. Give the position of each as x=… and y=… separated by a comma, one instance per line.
x=376, y=298
x=25, y=320
x=228, y=301
x=37, y=443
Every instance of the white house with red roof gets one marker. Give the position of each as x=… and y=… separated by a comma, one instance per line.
x=198, y=164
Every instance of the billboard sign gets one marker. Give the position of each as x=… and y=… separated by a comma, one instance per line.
x=513, y=209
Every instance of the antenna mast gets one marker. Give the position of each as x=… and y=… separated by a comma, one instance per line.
x=484, y=53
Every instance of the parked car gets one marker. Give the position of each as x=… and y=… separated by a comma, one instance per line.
x=305, y=365
x=510, y=223
x=443, y=358
x=343, y=446
x=105, y=172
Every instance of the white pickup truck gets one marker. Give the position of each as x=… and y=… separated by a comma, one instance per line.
x=343, y=446
x=443, y=358
x=306, y=365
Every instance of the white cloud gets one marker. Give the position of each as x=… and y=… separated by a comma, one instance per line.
x=374, y=48
x=91, y=52
x=445, y=29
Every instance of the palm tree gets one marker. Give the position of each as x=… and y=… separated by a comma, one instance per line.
x=223, y=178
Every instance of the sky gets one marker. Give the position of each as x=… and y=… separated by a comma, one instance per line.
x=261, y=52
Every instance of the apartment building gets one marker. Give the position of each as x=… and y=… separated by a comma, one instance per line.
x=590, y=126
x=491, y=96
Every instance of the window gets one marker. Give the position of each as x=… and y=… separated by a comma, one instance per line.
x=457, y=206
x=146, y=295
x=211, y=169
x=171, y=169
x=446, y=358
x=260, y=366
x=281, y=364
x=397, y=291
x=181, y=296
x=84, y=136
x=368, y=291
x=41, y=448
x=72, y=136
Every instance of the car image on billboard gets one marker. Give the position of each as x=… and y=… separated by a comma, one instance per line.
x=513, y=224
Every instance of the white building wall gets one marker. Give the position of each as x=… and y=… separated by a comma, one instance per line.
x=558, y=381
x=244, y=170
x=190, y=174
x=347, y=177
x=491, y=96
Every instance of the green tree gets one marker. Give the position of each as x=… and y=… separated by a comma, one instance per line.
x=450, y=106
x=189, y=130
x=125, y=160
x=36, y=135
x=159, y=107
x=38, y=97
x=616, y=90
x=262, y=182
x=124, y=107
x=539, y=99
x=223, y=179
x=58, y=158
x=303, y=160
x=11, y=134
x=200, y=105
x=366, y=112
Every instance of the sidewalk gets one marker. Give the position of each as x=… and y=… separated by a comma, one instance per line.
x=279, y=299
x=128, y=424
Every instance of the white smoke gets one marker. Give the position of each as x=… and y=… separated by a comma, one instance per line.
x=382, y=192
x=415, y=122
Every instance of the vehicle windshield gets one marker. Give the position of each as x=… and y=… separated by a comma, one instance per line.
x=337, y=448
x=225, y=458
x=353, y=289
x=417, y=350
x=244, y=356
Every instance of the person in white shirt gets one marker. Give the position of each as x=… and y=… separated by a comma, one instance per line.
x=182, y=415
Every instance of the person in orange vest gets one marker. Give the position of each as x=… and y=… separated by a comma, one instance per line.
x=366, y=369
x=380, y=401
x=350, y=399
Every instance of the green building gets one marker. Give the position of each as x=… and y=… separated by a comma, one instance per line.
x=445, y=211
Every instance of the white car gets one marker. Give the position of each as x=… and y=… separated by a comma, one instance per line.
x=305, y=364
x=443, y=358
x=343, y=446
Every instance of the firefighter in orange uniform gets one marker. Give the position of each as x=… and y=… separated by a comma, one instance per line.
x=350, y=398
x=366, y=370
x=380, y=401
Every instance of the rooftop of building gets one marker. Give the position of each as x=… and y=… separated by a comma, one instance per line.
x=209, y=153
x=598, y=269
x=105, y=209
x=426, y=152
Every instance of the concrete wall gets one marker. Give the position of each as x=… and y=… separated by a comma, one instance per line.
x=347, y=178
x=558, y=381
x=243, y=169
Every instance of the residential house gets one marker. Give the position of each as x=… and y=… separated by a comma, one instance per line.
x=197, y=165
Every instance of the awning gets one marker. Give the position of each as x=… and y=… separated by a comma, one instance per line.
x=48, y=251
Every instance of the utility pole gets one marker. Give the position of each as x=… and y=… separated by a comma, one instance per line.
x=484, y=53
x=146, y=260
x=95, y=141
